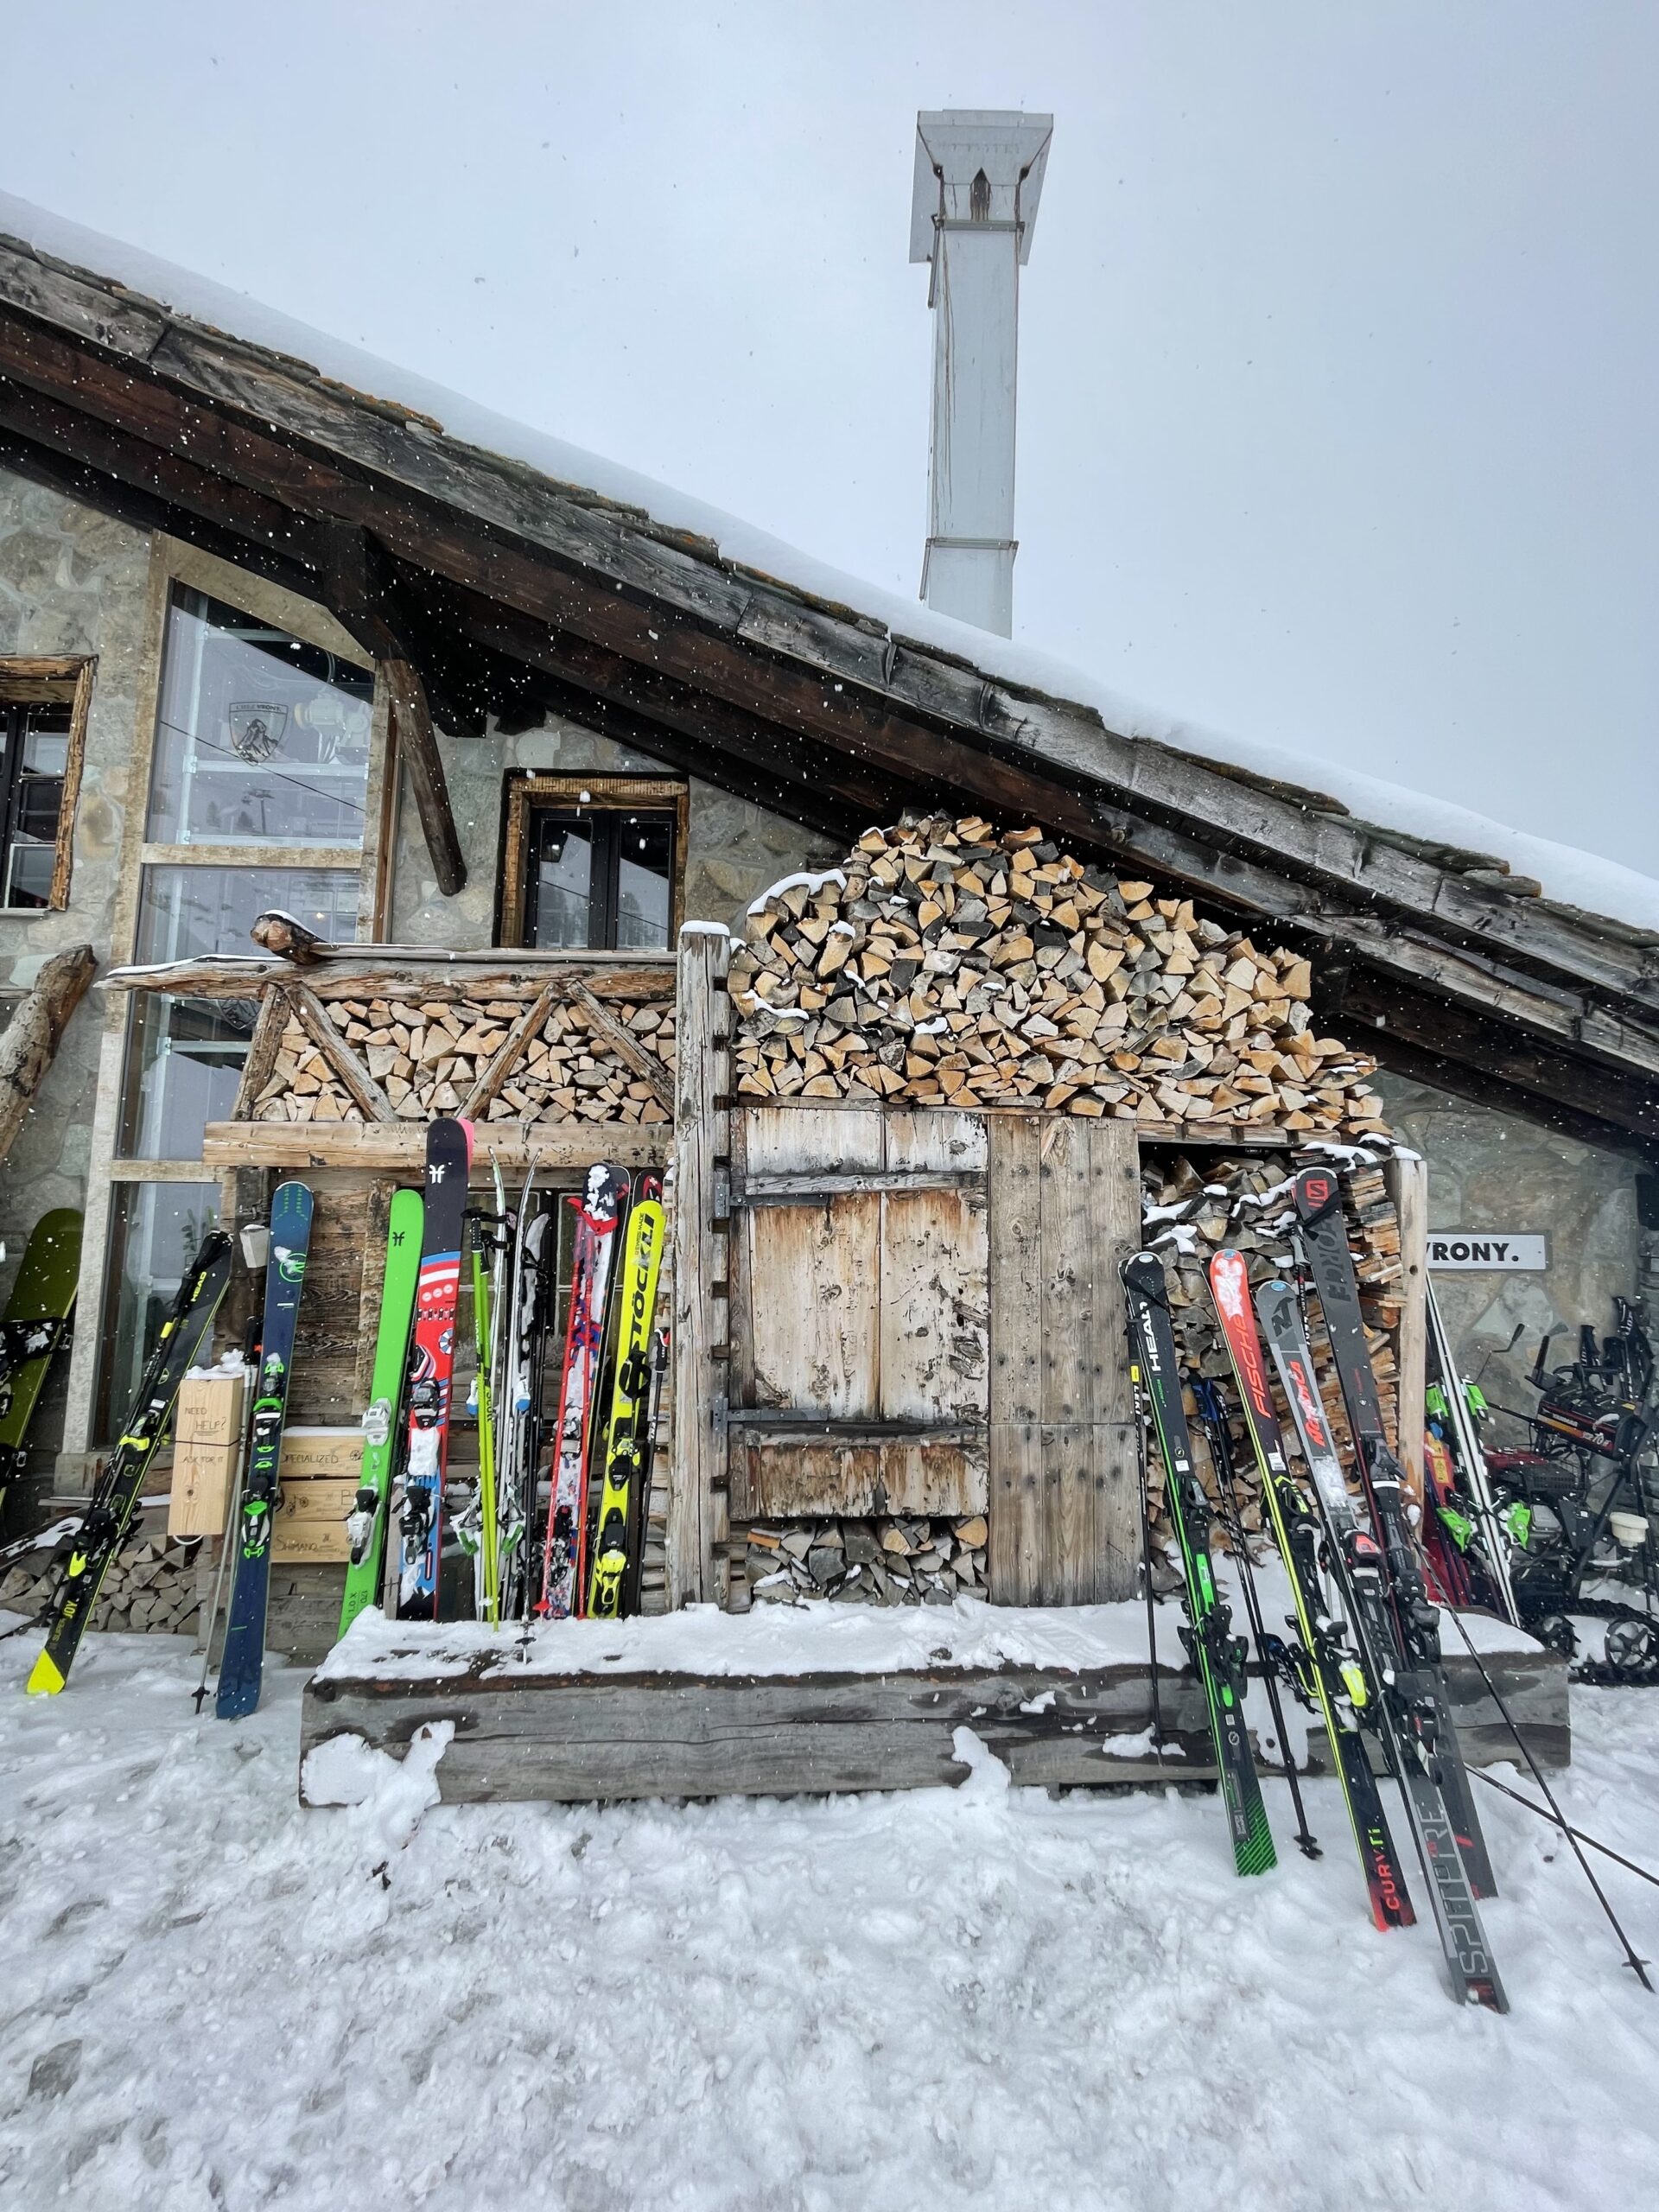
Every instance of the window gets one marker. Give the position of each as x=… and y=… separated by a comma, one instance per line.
x=155, y=1230
x=185, y=1056
x=594, y=863
x=43, y=706
x=262, y=739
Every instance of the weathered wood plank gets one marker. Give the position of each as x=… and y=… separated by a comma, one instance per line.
x=611, y=1738
x=1015, y=1258
x=405, y=970
x=932, y=1263
x=400, y=1149
x=1114, y=1232
x=804, y=1474
x=697, y=1467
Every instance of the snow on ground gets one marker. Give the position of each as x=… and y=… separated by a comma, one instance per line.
x=979, y=1998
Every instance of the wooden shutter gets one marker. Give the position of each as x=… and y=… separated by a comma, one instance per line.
x=859, y=1313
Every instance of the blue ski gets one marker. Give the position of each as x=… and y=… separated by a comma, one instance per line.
x=241, y=1668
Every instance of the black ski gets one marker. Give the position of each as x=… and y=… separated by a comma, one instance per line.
x=241, y=1668
x=1217, y=1653
x=109, y=1517
x=1316, y=1194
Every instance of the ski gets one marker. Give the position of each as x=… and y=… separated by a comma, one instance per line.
x=1216, y=1653
x=484, y=1513
x=108, y=1516
x=521, y=1407
x=1404, y=1723
x=366, y=1525
x=35, y=1329
x=437, y=1292
x=624, y=1435
x=584, y=1342
x=1329, y=1677
x=1470, y=1461
x=1316, y=1196
x=241, y=1666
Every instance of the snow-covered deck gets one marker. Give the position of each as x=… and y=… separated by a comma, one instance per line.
x=820, y=1698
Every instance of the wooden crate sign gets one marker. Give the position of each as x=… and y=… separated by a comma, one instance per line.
x=310, y=1522
x=207, y=1427
x=316, y=1451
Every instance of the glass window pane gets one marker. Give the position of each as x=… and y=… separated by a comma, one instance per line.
x=644, y=875
x=28, y=874
x=262, y=739
x=564, y=886
x=155, y=1230
x=184, y=1056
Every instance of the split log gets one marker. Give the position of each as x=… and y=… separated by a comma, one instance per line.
x=31, y=1040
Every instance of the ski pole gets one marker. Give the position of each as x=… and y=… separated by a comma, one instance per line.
x=1637, y=1966
x=1212, y=1413
x=1594, y=1842
x=1146, y=1563
x=250, y=1369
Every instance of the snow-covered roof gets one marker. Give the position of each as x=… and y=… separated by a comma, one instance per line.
x=1567, y=875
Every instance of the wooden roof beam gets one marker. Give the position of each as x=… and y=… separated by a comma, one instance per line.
x=835, y=647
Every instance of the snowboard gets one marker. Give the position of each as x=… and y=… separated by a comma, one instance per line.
x=584, y=1342
x=35, y=1329
x=108, y=1516
x=438, y=1292
x=366, y=1525
x=624, y=1435
x=241, y=1666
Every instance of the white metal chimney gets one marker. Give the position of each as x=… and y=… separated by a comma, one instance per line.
x=979, y=175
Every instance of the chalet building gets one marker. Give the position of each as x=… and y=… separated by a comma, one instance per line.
x=280, y=629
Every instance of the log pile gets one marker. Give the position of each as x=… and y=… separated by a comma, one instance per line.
x=151, y=1586
x=1192, y=1211
x=946, y=965
x=903, y=1562
x=429, y=1055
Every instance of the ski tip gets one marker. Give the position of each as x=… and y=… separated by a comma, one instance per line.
x=46, y=1677
x=469, y=1133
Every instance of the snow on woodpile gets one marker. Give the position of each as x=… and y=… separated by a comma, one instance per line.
x=947, y=963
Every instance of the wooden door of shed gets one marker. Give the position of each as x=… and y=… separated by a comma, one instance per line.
x=927, y=1316
x=859, y=1313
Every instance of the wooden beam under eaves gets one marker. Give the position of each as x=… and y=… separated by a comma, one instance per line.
x=416, y=744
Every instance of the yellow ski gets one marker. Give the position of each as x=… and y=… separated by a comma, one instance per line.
x=635, y=1289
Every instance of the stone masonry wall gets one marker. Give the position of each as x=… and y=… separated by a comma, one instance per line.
x=71, y=582
x=734, y=849
x=1488, y=1169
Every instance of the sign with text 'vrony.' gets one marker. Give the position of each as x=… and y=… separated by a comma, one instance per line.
x=1511, y=1251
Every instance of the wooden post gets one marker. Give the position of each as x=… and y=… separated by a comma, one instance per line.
x=31, y=1041
x=417, y=749
x=697, y=1505
x=1407, y=1179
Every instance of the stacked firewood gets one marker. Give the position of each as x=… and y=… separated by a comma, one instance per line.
x=907, y=1560
x=428, y=1054
x=1192, y=1210
x=946, y=965
x=151, y=1586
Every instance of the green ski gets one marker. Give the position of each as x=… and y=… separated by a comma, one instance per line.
x=366, y=1523
x=36, y=1327
x=1217, y=1653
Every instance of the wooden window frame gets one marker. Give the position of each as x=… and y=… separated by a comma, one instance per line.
x=527, y=790
x=53, y=680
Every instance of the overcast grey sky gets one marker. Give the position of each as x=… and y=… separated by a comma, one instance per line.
x=1340, y=337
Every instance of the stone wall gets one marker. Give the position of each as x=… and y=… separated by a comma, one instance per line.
x=71, y=582
x=734, y=849
x=1488, y=1169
